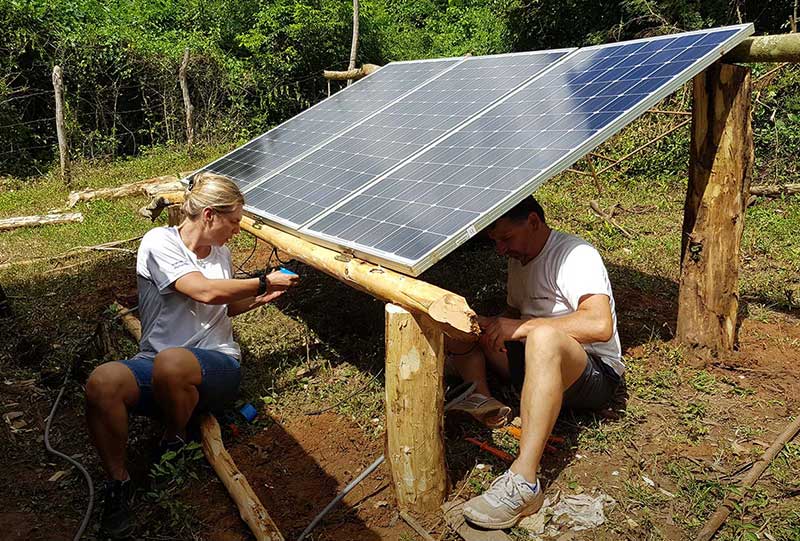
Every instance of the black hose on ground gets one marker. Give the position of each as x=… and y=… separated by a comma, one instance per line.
x=87, y=515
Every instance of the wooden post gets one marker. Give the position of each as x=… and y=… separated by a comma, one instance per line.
x=414, y=409
x=63, y=147
x=354, y=43
x=187, y=102
x=719, y=179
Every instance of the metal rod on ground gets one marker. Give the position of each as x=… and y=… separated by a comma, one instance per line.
x=372, y=467
x=462, y=392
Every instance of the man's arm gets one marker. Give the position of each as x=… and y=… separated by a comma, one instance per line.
x=591, y=322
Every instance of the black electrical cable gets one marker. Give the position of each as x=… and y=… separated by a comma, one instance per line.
x=87, y=515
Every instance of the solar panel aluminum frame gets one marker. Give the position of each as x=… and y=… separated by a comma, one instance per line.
x=417, y=267
x=392, y=261
x=291, y=162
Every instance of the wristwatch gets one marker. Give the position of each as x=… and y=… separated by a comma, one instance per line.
x=263, y=284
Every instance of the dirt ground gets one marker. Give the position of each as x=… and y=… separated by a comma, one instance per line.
x=297, y=463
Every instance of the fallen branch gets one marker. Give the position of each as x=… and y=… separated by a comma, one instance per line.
x=150, y=187
x=607, y=217
x=72, y=252
x=159, y=202
x=8, y=224
x=129, y=321
x=775, y=191
x=250, y=508
x=721, y=514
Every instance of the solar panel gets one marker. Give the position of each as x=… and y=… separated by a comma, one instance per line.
x=420, y=211
x=358, y=156
x=318, y=124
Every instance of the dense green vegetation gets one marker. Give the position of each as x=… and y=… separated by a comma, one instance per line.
x=255, y=63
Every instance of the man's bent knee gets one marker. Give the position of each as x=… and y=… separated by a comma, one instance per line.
x=176, y=366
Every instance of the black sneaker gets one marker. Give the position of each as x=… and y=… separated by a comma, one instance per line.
x=117, y=520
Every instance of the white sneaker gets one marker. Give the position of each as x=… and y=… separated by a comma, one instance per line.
x=508, y=500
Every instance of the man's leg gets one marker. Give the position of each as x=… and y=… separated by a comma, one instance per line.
x=553, y=362
x=110, y=391
x=176, y=376
x=470, y=359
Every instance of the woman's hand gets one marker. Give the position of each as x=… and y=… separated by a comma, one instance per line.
x=280, y=281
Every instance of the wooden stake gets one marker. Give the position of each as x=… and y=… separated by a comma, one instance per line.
x=61, y=132
x=414, y=409
x=722, y=512
x=250, y=508
x=719, y=179
x=354, y=43
x=187, y=101
x=174, y=215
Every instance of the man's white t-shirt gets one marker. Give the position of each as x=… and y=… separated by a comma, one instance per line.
x=169, y=318
x=553, y=282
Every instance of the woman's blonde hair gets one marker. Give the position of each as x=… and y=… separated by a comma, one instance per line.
x=211, y=190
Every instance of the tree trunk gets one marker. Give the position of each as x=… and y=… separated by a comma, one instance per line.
x=61, y=132
x=354, y=44
x=719, y=180
x=187, y=101
x=414, y=409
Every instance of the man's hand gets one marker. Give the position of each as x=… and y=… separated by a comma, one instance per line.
x=498, y=330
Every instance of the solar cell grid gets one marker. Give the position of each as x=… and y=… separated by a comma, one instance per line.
x=503, y=154
x=355, y=158
x=320, y=123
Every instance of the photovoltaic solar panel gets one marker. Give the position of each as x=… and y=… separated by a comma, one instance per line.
x=420, y=211
x=318, y=124
x=356, y=157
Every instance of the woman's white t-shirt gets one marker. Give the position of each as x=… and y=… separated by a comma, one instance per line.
x=171, y=319
x=553, y=282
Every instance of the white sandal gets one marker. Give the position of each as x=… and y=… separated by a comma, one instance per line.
x=485, y=409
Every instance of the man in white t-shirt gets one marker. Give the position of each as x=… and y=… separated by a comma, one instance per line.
x=557, y=339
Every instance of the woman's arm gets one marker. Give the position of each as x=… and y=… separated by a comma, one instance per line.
x=226, y=291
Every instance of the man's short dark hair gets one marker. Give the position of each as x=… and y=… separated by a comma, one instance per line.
x=522, y=210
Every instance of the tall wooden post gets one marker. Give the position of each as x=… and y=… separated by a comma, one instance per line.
x=354, y=43
x=719, y=179
x=414, y=409
x=187, y=101
x=61, y=132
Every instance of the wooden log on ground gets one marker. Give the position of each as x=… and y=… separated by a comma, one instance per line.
x=775, y=191
x=352, y=74
x=8, y=224
x=250, y=508
x=450, y=311
x=130, y=322
x=721, y=514
x=415, y=409
x=151, y=187
x=720, y=170
x=778, y=48
x=159, y=202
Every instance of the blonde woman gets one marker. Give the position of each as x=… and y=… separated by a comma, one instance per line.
x=188, y=361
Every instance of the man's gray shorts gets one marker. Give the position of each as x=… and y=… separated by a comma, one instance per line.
x=593, y=390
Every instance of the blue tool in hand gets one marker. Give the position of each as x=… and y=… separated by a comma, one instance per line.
x=284, y=270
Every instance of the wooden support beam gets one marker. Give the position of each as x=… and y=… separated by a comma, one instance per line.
x=720, y=170
x=250, y=508
x=347, y=75
x=779, y=48
x=415, y=409
x=451, y=312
